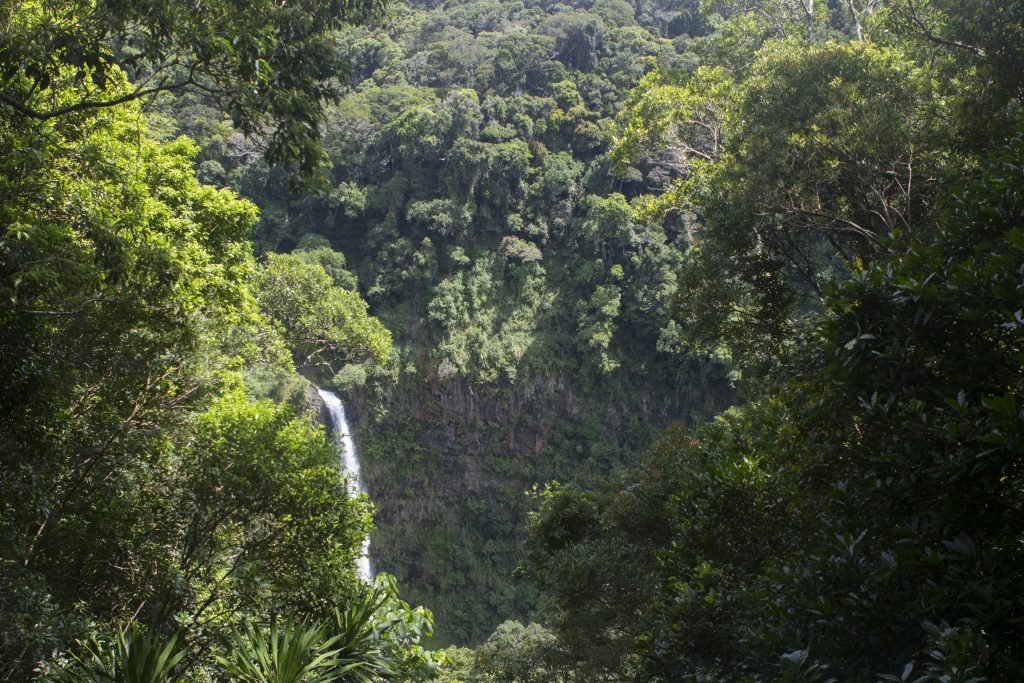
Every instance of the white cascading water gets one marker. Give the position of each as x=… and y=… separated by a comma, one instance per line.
x=343, y=438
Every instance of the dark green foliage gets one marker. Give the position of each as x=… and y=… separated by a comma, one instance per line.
x=379, y=637
x=471, y=517
x=140, y=484
x=288, y=654
x=374, y=636
x=471, y=195
x=113, y=282
x=134, y=657
x=321, y=322
x=862, y=519
x=792, y=157
x=523, y=654
x=859, y=519
x=268, y=65
x=825, y=195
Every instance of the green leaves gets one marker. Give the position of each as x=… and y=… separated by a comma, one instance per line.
x=124, y=297
x=358, y=629
x=796, y=168
x=264, y=511
x=860, y=518
x=672, y=119
x=135, y=656
x=288, y=654
x=323, y=324
x=373, y=637
x=270, y=65
x=143, y=483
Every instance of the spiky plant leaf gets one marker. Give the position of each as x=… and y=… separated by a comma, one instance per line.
x=298, y=654
x=134, y=657
x=361, y=648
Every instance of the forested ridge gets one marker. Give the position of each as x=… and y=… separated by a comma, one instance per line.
x=684, y=340
x=474, y=201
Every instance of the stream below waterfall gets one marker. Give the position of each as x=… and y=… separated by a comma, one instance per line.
x=350, y=462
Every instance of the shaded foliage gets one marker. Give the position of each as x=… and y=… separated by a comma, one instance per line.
x=860, y=519
x=269, y=65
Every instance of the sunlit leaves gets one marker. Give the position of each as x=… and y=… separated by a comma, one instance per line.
x=671, y=120
x=322, y=323
x=280, y=654
x=268, y=64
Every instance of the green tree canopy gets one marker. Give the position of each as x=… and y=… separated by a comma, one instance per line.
x=322, y=323
x=861, y=519
x=268, y=64
x=139, y=481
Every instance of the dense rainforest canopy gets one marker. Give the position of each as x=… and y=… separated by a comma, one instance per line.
x=684, y=340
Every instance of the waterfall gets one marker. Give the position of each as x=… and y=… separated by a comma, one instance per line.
x=350, y=461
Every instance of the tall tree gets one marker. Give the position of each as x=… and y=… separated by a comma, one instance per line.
x=860, y=520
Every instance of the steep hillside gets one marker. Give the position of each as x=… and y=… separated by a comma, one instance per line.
x=471, y=193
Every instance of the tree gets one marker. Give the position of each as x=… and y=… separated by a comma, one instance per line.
x=596, y=326
x=323, y=324
x=139, y=482
x=266, y=63
x=667, y=125
x=515, y=653
x=975, y=49
x=124, y=296
x=265, y=519
x=787, y=177
x=859, y=518
x=313, y=248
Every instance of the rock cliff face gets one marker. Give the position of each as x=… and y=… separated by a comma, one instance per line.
x=449, y=466
x=315, y=406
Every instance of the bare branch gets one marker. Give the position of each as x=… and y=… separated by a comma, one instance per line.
x=77, y=311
